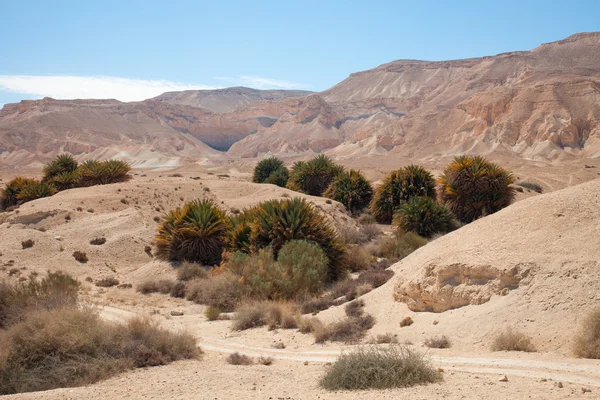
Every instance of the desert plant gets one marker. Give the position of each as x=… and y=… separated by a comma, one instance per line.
x=279, y=221
x=10, y=193
x=80, y=256
x=348, y=330
x=438, y=342
x=384, y=338
x=512, y=340
x=61, y=164
x=531, y=186
x=222, y=291
x=239, y=359
x=196, y=232
x=406, y=321
x=355, y=308
x=99, y=241
x=95, y=172
x=188, y=271
x=351, y=189
x=107, y=282
x=400, y=245
x=424, y=216
x=472, y=187
x=178, y=290
x=163, y=286
x=271, y=170
x=35, y=190
x=274, y=314
x=72, y=347
x=358, y=258
x=212, y=313
x=240, y=230
x=399, y=186
x=587, y=341
x=314, y=176
x=26, y=244
x=66, y=180
x=379, y=368
x=265, y=360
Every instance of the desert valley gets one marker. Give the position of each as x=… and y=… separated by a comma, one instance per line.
x=440, y=217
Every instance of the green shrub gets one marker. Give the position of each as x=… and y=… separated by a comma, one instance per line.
x=271, y=170
x=66, y=180
x=587, y=341
x=472, y=187
x=95, y=172
x=61, y=164
x=400, y=245
x=399, y=186
x=73, y=347
x=314, y=176
x=279, y=221
x=379, y=368
x=11, y=191
x=197, y=232
x=351, y=189
x=424, y=216
x=241, y=228
x=35, y=190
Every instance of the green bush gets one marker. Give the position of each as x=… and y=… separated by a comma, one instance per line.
x=424, y=216
x=66, y=180
x=279, y=221
x=400, y=245
x=314, y=176
x=60, y=165
x=196, y=232
x=351, y=189
x=271, y=170
x=379, y=368
x=11, y=191
x=241, y=228
x=400, y=186
x=35, y=190
x=472, y=187
x=95, y=172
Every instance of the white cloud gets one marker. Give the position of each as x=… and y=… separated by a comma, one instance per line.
x=258, y=82
x=91, y=87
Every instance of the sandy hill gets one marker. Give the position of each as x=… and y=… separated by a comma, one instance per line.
x=541, y=104
x=226, y=100
x=533, y=266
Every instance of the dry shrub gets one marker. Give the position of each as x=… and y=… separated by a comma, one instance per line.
x=188, y=271
x=309, y=325
x=406, y=321
x=265, y=360
x=512, y=340
x=274, y=315
x=239, y=359
x=438, y=342
x=222, y=291
x=349, y=235
x=72, y=347
x=400, y=245
x=349, y=287
x=80, y=256
x=367, y=219
x=355, y=309
x=107, y=282
x=587, y=342
x=359, y=259
x=212, y=313
x=349, y=330
x=384, y=338
x=163, y=286
x=178, y=290
x=98, y=241
x=317, y=304
x=371, y=231
x=379, y=368
x=26, y=244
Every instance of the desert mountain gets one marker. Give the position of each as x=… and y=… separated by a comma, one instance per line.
x=538, y=104
x=226, y=100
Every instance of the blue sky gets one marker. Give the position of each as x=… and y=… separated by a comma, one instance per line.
x=132, y=50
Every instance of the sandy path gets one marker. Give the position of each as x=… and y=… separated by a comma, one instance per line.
x=578, y=372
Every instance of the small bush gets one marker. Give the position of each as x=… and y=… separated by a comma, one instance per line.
x=400, y=245
x=222, y=291
x=314, y=176
x=74, y=347
x=107, y=282
x=188, y=271
x=197, y=232
x=349, y=330
x=274, y=315
x=99, y=241
x=163, y=286
x=62, y=164
x=367, y=219
x=265, y=360
x=178, y=290
x=310, y=325
x=512, y=340
x=399, y=186
x=10, y=193
x=35, y=190
x=239, y=359
x=26, y=244
x=271, y=170
x=359, y=258
x=212, y=313
x=386, y=338
x=355, y=309
x=440, y=342
x=351, y=189
x=80, y=256
x=103, y=172
x=406, y=321
x=531, y=186
x=587, y=341
x=379, y=368
x=424, y=216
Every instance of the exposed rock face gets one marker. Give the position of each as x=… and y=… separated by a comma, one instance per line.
x=543, y=103
x=444, y=287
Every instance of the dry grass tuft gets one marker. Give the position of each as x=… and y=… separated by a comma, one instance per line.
x=239, y=359
x=441, y=342
x=385, y=338
x=349, y=330
x=406, y=321
x=379, y=368
x=512, y=340
x=107, y=282
x=274, y=315
x=355, y=309
x=265, y=360
x=188, y=271
x=163, y=286
x=587, y=342
x=222, y=291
